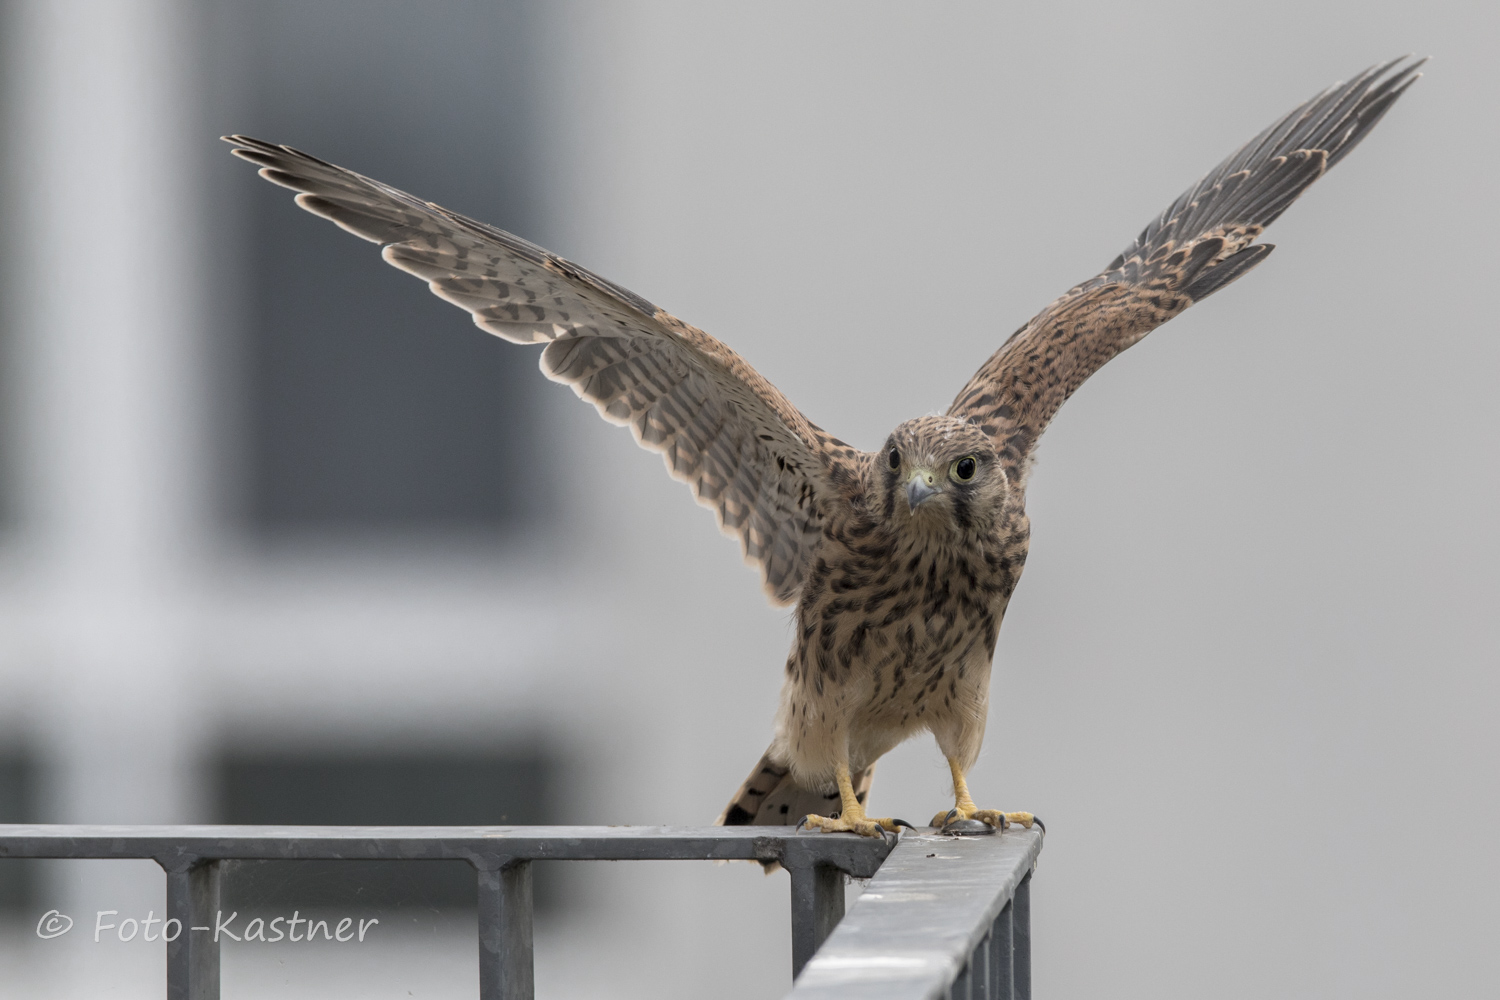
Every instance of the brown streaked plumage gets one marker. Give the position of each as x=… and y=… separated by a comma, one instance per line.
x=901, y=562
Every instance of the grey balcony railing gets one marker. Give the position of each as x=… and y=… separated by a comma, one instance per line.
x=942, y=917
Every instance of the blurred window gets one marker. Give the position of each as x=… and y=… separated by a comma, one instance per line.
x=378, y=789
x=371, y=403
x=18, y=785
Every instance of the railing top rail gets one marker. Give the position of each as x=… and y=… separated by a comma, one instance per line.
x=941, y=914
x=912, y=932
x=859, y=856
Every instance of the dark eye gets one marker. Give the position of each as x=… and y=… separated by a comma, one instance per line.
x=895, y=459
x=964, y=468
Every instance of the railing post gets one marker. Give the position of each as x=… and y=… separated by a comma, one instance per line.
x=1021, y=934
x=963, y=984
x=982, y=964
x=1002, y=954
x=817, y=907
x=506, y=968
x=190, y=930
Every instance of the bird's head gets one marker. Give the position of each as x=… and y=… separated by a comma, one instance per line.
x=942, y=471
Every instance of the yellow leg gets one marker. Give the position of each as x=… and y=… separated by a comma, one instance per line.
x=852, y=818
x=964, y=807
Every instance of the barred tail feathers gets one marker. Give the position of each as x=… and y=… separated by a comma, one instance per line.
x=771, y=797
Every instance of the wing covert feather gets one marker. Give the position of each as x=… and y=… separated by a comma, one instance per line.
x=1200, y=243
x=745, y=451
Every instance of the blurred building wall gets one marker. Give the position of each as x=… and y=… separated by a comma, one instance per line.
x=1248, y=677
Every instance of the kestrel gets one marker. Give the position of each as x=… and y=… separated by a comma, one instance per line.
x=900, y=561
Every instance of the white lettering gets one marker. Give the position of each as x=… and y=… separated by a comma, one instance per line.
x=222, y=926
x=53, y=924
x=153, y=928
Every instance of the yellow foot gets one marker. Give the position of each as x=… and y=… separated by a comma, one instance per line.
x=860, y=824
x=852, y=818
x=964, y=807
x=999, y=820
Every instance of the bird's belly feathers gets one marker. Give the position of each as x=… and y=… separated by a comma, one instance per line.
x=885, y=652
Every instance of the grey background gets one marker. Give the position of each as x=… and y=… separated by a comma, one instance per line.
x=1248, y=677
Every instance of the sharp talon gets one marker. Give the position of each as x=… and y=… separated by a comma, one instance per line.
x=1040, y=825
x=952, y=815
x=902, y=822
x=801, y=822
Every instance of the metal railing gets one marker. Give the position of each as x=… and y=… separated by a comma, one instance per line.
x=944, y=917
x=941, y=917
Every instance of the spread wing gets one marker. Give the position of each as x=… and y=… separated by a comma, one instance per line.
x=1202, y=242
x=745, y=451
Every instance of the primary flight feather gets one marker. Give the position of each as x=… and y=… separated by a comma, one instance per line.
x=901, y=562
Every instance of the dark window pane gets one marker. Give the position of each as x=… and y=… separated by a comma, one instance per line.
x=370, y=402
x=407, y=789
x=18, y=787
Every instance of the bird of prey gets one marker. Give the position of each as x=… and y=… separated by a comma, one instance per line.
x=900, y=561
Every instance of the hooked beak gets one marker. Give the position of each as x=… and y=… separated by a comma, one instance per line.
x=920, y=489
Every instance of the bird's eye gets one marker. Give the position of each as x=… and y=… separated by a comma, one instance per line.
x=895, y=459
x=964, y=468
